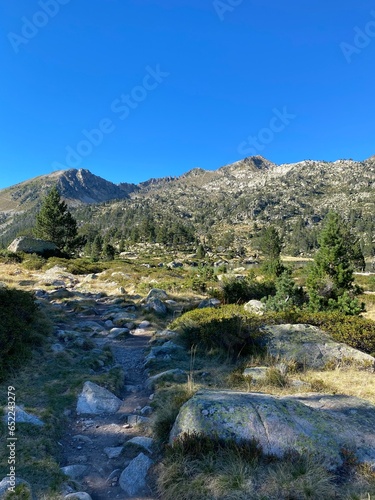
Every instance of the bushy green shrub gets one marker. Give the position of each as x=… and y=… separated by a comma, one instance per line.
x=239, y=291
x=33, y=262
x=229, y=329
x=7, y=257
x=22, y=327
x=78, y=266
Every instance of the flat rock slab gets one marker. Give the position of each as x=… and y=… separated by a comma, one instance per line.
x=323, y=425
x=310, y=346
x=96, y=400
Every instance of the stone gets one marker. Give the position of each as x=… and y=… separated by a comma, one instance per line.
x=209, y=303
x=79, y=495
x=31, y=245
x=146, y=410
x=156, y=293
x=133, y=477
x=114, y=451
x=320, y=424
x=134, y=420
x=174, y=373
x=74, y=471
x=174, y=264
x=143, y=442
x=255, y=307
x=5, y=484
x=310, y=347
x=144, y=324
x=96, y=400
x=157, y=305
x=117, y=332
x=257, y=373
x=22, y=417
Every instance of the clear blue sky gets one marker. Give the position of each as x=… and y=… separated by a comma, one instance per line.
x=133, y=89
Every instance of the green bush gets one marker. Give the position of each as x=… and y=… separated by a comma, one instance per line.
x=78, y=266
x=239, y=291
x=22, y=327
x=7, y=257
x=33, y=262
x=228, y=329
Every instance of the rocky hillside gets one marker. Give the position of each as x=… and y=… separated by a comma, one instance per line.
x=233, y=197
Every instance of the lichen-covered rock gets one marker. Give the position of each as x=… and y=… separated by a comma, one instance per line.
x=310, y=346
x=96, y=400
x=323, y=425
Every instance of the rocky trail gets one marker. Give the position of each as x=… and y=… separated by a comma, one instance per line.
x=108, y=453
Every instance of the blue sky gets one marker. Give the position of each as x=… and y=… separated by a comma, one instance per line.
x=133, y=89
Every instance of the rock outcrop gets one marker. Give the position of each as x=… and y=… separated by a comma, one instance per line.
x=310, y=347
x=327, y=426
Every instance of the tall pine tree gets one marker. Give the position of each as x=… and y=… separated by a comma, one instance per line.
x=55, y=223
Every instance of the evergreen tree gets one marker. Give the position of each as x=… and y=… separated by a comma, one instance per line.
x=330, y=280
x=55, y=223
x=270, y=244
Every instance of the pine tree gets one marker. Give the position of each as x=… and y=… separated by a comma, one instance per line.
x=55, y=223
x=330, y=280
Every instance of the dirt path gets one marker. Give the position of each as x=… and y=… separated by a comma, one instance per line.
x=88, y=437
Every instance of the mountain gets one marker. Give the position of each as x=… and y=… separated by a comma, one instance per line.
x=77, y=187
x=208, y=202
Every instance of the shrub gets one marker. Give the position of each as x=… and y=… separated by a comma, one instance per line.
x=239, y=291
x=228, y=329
x=22, y=327
x=7, y=257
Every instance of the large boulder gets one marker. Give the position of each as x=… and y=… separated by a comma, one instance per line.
x=96, y=400
x=310, y=346
x=31, y=245
x=326, y=426
x=133, y=477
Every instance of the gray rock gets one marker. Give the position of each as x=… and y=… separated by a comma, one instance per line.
x=22, y=417
x=255, y=307
x=134, y=420
x=117, y=332
x=96, y=400
x=174, y=264
x=8, y=482
x=89, y=325
x=310, y=346
x=79, y=495
x=257, y=373
x=320, y=424
x=113, y=452
x=174, y=373
x=31, y=245
x=133, y=478
x=157, y=305
x=157, y=293
x=143, y=442
x=144, y=324
x=74, y=471
x=146, y=410
x=209, y=303
x=166, y=333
